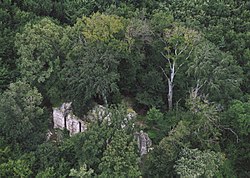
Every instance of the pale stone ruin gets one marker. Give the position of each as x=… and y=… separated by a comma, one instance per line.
x=63, y=117
x=144, y=142
x=99, y=112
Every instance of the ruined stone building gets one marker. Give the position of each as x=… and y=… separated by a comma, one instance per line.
x=63, y=117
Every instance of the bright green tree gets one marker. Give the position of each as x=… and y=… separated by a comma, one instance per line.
x=83, y=172
x=120, y=158
x=39, y=49
x=195, y=163
x=214, y=73
x=16, y=168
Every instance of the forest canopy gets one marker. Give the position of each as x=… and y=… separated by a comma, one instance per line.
x=183, y=66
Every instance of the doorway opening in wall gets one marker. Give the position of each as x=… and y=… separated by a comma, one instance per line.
x=80, y=127
x=65, y=123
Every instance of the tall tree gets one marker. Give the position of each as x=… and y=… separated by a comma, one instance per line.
x=179, y=44
x=91, y=66
x=120, y=158
x=196, y=163
x=41, y=54
x=215, y=73
x=39, y=50
x=12, y=20
x=224, y=23
x=22, y=118
x=200, y=130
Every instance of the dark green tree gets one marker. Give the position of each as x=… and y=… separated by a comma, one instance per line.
x=54, y=159
x=23, y=120
x=41, y=54
x=236, y=136
x=160, y=161
x=91, y=67
x=12, y=20
x=200, y=130
x=98, y=144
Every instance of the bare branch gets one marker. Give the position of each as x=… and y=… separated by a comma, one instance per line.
x=189, y=53
x=231, y=130
x=169, y=62
x=179, y=67
x=164, y=73
x=175, y=48
x=182, y=50
x=237, y=137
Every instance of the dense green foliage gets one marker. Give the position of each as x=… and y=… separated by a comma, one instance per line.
x=21, y=116
x=182, y=65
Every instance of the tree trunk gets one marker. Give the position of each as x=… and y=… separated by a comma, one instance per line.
x=171, y=86
x=170, y=95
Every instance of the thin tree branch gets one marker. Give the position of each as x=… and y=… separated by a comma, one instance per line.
x=169, y=62
x=189, y=53
x=231, y=130
x=237, y=137
x=164, y=73
x=179, y=67
x=182, y=50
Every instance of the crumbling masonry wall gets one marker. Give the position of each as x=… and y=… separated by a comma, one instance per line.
x=63, y=117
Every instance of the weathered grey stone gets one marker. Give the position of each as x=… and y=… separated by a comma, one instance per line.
x=131, y=115
x=143, y=141
x=99, y=112
x=63, y=117
x=66, y=108
x=58, y=118
x=75, y=125
x=48, y=135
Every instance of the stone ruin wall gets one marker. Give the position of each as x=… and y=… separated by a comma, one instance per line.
x=143, y=141
x=63, y=117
